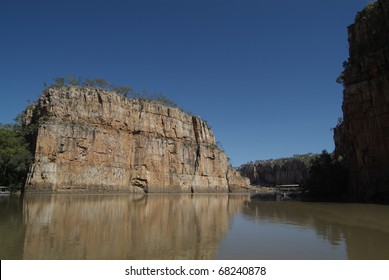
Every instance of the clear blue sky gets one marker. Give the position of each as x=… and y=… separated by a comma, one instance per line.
x=262, y=73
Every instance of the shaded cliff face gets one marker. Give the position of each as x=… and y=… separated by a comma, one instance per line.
x=364, y=135
x=293, y=171
x=91, y=139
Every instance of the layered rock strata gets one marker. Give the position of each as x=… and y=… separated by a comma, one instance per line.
x=267, y=173
x=364, y=135
x=90, y=139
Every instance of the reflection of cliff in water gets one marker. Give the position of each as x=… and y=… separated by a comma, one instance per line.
x=72, y=226
x=364, y=228
x=11, y=241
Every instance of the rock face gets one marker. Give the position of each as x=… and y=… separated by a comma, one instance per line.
x=364, y=135
x=90, y=139
x=267, y=173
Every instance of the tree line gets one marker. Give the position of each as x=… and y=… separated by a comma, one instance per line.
x=15, y=156
x=327, y=177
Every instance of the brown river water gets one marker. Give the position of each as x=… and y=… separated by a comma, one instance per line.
x=188, y=226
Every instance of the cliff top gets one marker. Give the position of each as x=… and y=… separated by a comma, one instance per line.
x=62, y=87
x=105, y=87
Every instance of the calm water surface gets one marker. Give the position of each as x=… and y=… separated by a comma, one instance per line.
x=185, y=226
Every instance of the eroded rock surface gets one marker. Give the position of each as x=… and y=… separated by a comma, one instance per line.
x=90, y=139
x=268, y=173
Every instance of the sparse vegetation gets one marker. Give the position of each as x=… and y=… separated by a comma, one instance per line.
x=104, y=84
x=305, y=158
x=80, y=82
x=346, y=66
x=369, y=10
x=207, y=124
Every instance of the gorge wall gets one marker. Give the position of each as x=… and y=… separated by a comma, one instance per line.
x=363, y=137
x=279, y=172
x=90, y=139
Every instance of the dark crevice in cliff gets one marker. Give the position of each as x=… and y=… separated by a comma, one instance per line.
x=99, y=98
x=195, y=122
x=197, y=160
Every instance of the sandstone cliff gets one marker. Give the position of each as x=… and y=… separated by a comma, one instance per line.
x=276, y=172
x=90, y=139
x=364, y=135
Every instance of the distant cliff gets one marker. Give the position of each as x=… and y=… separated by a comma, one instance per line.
x=277, y=172
x=363, y=137
x=90, y=139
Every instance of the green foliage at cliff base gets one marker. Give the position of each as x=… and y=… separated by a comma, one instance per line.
x=15, y=157
x=327, y=177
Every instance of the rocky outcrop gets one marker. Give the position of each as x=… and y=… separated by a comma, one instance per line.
x=364, y=135
x=90, y=139
x=279, y=172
